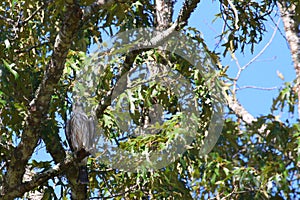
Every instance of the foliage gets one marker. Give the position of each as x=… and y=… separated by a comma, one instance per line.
x=250, y=161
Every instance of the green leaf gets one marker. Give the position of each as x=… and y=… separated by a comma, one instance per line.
x=10, y=68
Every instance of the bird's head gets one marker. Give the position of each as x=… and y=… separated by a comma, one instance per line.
x=77, y=107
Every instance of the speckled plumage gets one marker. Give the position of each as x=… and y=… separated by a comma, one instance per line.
x=80, y=132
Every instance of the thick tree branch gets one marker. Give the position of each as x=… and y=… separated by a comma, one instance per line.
x=63, y=41
x=106, y=100
x=242, y=113
x=39, y=106
x=62, y=44
x=291, y=22
x=164, y=13
x=239, y=110
x=38, y=179
x=33, y=194
x=187, y=9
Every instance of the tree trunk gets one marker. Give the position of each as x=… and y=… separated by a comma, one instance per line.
x=291, y=22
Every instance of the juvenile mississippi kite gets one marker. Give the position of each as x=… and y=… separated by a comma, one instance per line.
x=80, y=132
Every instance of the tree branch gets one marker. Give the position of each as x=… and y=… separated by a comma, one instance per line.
x=39, y=106
x=257, y=88
x=164, y=13
x=106, y=100
x=187, y=9
x=44, y=4
x=239, y=110
x=291, y=23
x=7, y=20
x=63, y=42
x=30, y=48
x=38, y=179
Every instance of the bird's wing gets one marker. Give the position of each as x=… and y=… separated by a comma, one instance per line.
x=79, y=130
x=68, y=135
x=92, y=135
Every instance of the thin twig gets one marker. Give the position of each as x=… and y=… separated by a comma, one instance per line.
x=235, y=14
x=257, y=88
x=7, y=20
x=34, y=13
x=265, y=47
x=281, y=33
x=30, y=48
x=241, y=69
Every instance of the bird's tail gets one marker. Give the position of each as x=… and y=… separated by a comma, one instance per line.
x=83, y=175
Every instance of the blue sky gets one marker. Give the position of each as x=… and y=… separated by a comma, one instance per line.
x=262, y=72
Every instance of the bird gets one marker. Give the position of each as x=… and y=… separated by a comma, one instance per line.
x=80, y=133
